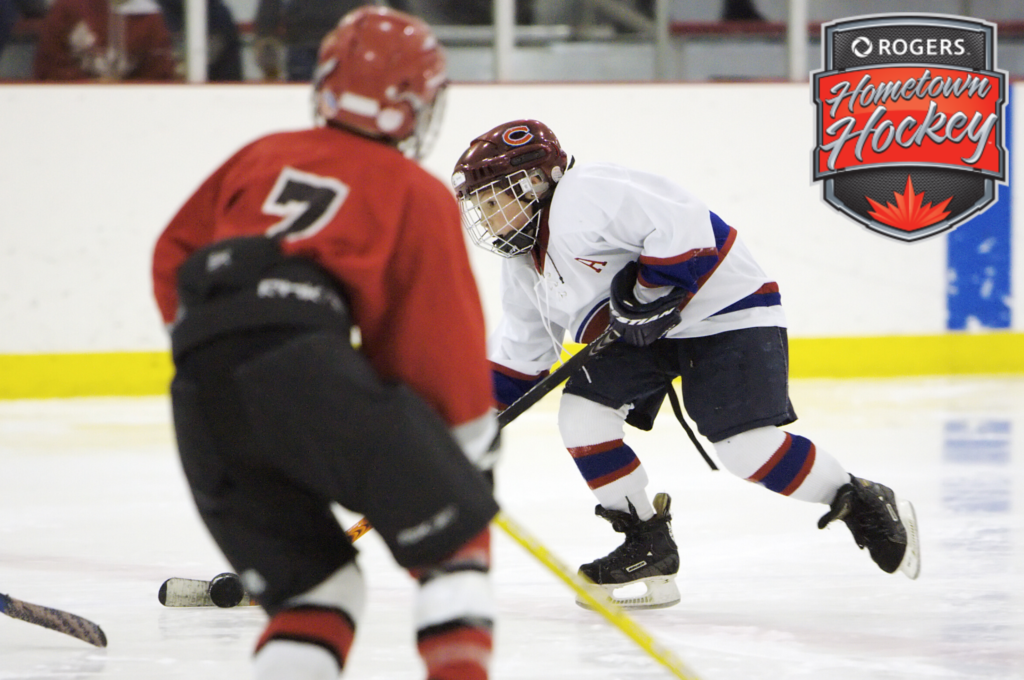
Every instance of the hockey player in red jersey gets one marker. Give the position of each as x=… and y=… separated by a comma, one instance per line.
x=260, y=276
x=588, y=246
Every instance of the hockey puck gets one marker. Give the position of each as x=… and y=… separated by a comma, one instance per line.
x=226, y=590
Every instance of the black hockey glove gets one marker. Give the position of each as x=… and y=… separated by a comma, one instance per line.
x=639, y=323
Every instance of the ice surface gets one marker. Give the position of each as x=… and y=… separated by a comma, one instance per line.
x=95, y=515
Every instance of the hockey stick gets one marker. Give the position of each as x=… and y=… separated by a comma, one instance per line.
x=358, y=529
x=531, y=397
x=54, y=619
x=556, y=377
x=603, y=605
x=178, y=592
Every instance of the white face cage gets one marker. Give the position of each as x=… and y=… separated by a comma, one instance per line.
x=502, y=216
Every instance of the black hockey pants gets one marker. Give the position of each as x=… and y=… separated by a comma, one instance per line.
x=274, y=425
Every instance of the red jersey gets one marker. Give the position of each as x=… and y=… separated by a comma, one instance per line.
x=383, y=226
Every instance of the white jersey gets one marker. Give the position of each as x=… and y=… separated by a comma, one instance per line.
x=601, y=217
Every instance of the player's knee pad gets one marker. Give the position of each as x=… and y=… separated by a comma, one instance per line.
x=746, y=453
x=583, y=422
x=324, y=616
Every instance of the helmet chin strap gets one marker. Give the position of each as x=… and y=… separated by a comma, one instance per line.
x=522, y=241
x=518, y=244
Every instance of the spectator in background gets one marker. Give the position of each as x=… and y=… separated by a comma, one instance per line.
x=223, y=46
x=8, y=15
x=461, y=12
x=108, y=40
x=9, y=11
x=740, y=10
x=293, y=29
x=732, y=10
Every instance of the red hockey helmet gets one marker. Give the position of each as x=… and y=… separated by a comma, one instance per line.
x=520, y=160
x=381, y=73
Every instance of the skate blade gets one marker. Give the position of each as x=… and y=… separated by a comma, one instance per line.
x=660, y=592
x=911, y=564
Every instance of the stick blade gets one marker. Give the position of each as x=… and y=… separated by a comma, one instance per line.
x=54, y=619
x=185, y=592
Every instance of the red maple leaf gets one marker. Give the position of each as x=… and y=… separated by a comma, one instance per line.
x=908, y=214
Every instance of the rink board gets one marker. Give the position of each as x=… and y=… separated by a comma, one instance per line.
x=80, y=226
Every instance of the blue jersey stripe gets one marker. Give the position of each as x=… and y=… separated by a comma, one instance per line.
x=753, y=300
x=508, y=389
x=687, y=273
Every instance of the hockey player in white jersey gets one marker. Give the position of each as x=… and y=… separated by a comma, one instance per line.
x=598, y=245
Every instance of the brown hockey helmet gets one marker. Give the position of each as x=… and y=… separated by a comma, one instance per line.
x=506, y=149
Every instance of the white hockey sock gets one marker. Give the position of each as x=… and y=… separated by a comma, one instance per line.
x=455, y=612
x=287, y=660
x=344, y=590
x=785, y=463
x=593, y=434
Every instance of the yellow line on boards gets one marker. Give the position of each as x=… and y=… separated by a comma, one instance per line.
x=44, y=376
x=896, y=356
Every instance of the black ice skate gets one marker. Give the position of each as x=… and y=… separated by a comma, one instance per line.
x=880, y=522
x=648, y=557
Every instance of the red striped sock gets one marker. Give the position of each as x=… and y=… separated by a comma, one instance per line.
x=325, y=627
x=459, y=653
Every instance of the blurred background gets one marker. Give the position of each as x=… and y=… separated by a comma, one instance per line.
x=714, y=94
x=553, y=40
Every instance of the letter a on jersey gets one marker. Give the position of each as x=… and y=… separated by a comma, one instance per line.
x=596, y=265
x=910, y=121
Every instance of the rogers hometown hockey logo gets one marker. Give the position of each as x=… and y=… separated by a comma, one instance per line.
x=910, y=133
